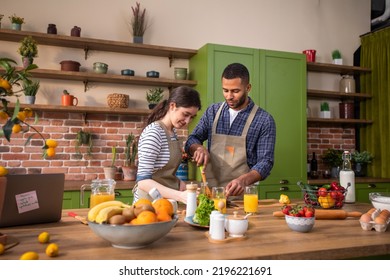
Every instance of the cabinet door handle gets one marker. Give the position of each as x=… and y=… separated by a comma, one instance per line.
x=285, y=188
x=283, y=182
x=371, y=186
x=118, y=193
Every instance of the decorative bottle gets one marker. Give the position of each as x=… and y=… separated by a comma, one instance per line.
x=313, y=167
x=347, y=178
x=191, y=199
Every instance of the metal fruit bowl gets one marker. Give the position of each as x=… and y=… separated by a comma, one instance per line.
x=300, y=224
x=380, y=200
x=132, y=236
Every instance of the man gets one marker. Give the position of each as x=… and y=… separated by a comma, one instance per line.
x=240, y=136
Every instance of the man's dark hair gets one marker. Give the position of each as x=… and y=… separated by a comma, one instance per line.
x=236, y=70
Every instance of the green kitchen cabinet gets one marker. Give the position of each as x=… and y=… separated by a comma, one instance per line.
x=362, y=190
x=71, y=199
x=274, y=191
x=278, y=85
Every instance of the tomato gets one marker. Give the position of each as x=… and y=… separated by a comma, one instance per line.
x=334, y=186
x=322, y=192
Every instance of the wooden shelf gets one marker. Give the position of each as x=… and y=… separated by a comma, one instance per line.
x=84, y=109
x=336, y=95
x=87, y=77
x=91, y=44
x=336, y=69
x=338, y=121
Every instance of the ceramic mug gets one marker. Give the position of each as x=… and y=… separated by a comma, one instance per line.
x=69, y=100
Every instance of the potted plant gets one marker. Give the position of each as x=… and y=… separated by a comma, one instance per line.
x=110, y=171
x=16, y=22
x=333, y=158
x=154, y=96
x=336, y=56
x=360, y=162
x=325, y=111
x=28, y=49
x=83, y=138
x=30, y=89
x=130, y=168
x=138, y=23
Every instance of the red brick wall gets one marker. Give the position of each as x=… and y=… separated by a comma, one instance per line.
x=319, y=139
x=108, y=130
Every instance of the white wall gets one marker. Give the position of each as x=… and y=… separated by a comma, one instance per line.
x=286, y=25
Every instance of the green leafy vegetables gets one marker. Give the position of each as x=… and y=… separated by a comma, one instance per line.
x=203, y=211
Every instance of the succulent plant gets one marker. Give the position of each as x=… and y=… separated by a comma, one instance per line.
x=28, y=47
x=336, y=54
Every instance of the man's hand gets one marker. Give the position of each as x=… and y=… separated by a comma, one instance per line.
x=235, y=187
x=200, y=155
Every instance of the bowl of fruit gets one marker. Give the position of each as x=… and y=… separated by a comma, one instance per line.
x=329, y=196
x=132, y=226
x=299, y=218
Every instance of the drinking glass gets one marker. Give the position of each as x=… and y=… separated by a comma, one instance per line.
x=218, y=194
x=251, y=199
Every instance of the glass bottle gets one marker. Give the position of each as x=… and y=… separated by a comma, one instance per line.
x=347, y=178
x=347, y=84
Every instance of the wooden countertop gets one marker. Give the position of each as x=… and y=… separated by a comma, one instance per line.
x=268, y=237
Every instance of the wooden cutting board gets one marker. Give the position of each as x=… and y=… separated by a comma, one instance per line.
x=333, y=214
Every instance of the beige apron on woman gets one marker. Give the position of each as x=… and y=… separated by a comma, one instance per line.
x=227, y=154
x=166, y=175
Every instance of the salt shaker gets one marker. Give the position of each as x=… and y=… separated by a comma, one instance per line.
x=218, y=227
x=212, y=222
x=191, y=199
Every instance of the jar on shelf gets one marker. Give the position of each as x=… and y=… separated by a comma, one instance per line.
x=346, y=110
x=347, y=84
x=51, y=29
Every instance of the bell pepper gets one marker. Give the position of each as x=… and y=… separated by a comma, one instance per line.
x=326, y=201
x=284, y=199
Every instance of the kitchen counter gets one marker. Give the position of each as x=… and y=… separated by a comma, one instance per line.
x=268, y=237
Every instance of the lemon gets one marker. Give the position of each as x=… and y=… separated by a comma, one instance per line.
x=5, y=84
x=21, y=116
x=30, y=256
x=44, y=237
x=51, y=143
x=3, y=115
x=2, y=249
x=28, y=112
x=3, y=171
x=52, y=250
x=50, y=152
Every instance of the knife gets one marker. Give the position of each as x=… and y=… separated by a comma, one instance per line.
x=77, y=217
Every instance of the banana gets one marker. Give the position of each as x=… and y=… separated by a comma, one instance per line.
x=106, y=213
x=94, y=211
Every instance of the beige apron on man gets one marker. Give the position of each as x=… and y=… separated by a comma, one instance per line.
x=227, y=154
x=166, y=175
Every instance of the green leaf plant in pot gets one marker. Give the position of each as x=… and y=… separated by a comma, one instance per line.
x=110, y=171
x=336, y=56
x=16, y=22
x=30, y=89
x=130, y=168
x=28, y=49
x=333, y=159
x=83, y=138
x=154, y=96
x=360, y=162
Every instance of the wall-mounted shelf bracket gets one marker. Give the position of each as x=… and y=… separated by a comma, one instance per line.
x=86, y=50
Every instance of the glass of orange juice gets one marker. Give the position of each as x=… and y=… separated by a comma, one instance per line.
x=218, y=196
x=101, y=190
x=251, y=199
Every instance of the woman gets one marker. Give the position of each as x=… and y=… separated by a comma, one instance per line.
x=159, y=149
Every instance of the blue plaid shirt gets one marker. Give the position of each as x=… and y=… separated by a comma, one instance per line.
x=260, y=140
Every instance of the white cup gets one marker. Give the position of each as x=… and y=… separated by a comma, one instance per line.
x=236, y=225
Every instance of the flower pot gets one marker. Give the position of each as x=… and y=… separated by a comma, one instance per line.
x=325, y=114
x=27, y=61
x=182, y=171
x=360, y=169
x=129, y=173
x=338, y=61
x=69, y=65
x=151, y=106
x=28, y=99
x=16, y=26
x=138, y=39
x=109, y=172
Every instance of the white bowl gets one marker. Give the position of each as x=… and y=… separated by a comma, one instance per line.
x=132, y=236
x=300, y=224
x=380, y=200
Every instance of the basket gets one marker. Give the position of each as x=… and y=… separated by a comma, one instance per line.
x=118, y=100
x=334, y=199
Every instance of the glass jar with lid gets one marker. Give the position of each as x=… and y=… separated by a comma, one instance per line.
x=347, y=84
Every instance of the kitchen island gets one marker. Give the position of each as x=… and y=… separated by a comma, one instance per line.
x=268, y=237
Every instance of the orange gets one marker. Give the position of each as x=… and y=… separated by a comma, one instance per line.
x=163, y=205
x=16, y=128
x=50, y=152
x=142, y=201
x=146, y=217
x=163, y=216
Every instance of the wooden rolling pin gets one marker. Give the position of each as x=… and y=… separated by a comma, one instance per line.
x=322, y=214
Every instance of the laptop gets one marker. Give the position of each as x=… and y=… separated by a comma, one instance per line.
x=31, y=199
